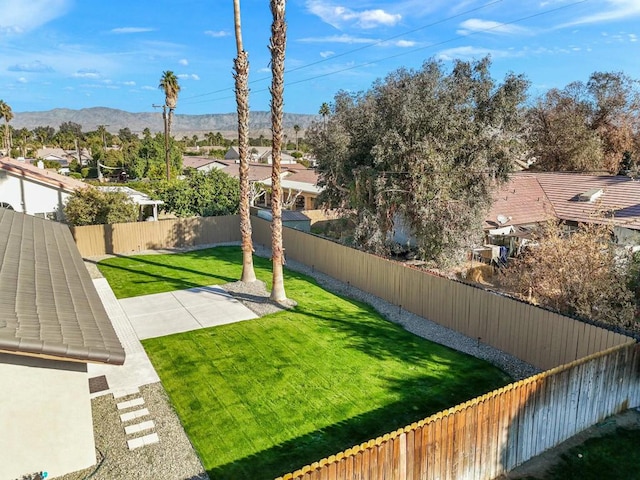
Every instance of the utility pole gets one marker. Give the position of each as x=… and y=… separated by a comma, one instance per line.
x=166, y=139
x=104, y=144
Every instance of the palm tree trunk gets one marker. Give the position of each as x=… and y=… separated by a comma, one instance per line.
x=241, y=66
x=277, y=47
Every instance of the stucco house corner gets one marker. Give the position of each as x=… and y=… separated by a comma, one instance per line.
x=52, y=324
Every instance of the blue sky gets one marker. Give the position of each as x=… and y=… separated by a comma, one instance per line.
x=88, y=53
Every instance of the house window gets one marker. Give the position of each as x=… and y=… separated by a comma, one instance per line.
x=6, y=205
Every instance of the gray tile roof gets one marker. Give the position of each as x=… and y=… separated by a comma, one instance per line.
x=48, y=303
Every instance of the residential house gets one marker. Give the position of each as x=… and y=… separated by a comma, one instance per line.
x=530, y=198
x=52, y=324
x=35, y=191
x=299, y=188
x=64, y=157
x=202, y=164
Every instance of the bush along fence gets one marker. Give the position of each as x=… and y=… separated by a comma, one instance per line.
x=492, y=434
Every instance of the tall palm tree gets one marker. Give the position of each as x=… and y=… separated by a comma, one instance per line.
x=277, y=47
x=241, y=76
x=7, y=114
x=168, y=84
x=296, y=129
x=324, y=111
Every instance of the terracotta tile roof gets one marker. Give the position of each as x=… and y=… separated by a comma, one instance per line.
x=620, y=194
x=523, y=200
x=307, y=175
x=531, y=197
x=257, y=171
x=41, y=175
x=197, y=162
x=48, y=303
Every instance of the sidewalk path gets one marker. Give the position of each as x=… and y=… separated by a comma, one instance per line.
x=157, y=315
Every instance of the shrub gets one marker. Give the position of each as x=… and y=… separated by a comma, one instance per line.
x=90, y=206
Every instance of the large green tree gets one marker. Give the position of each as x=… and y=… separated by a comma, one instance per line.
x=200, y=194
x=424, y=149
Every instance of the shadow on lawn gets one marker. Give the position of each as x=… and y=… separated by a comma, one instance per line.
x=366, y=330
x=415, y=404
x=229, y=255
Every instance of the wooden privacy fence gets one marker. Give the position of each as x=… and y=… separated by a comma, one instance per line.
x=492, y=434
x=94, y=240
x=537, y=336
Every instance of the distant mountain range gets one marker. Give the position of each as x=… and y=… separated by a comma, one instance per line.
x=91, y=118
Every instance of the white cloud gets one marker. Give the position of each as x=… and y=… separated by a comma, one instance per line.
x=405, y=43
x=147, y=87
x=327, y=54
x=188, y=76
x=129, y=83
x=131, y=30
x=338, y=39
x=488, y=26
x=22, y=80
x=612, y=10
x=23, y=16
x=339, y=16
x=183, y=62
x=35, y=66
x=471, y=53
x=216, y=34
x=265, y=70
x=86, y=74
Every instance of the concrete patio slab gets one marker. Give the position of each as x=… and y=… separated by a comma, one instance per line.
x=163, y=314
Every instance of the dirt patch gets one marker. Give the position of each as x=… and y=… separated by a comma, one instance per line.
x=537, y=467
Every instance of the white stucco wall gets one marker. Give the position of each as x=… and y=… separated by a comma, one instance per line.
x=45, y=417
x=28, y=196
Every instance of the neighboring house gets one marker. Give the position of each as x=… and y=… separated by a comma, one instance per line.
x=202, y=164
x=299, y=188
x=572, y=198
x=259, y=155
x=35, y=191
x=52, y=323
x=64, y=156
x=148, y=207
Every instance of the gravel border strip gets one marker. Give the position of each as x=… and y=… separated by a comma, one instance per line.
x=173, y=457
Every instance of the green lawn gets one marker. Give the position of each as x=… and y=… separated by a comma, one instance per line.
x=611, y=457
x=264, y=397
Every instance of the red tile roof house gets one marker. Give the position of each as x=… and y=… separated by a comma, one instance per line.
x=531, y=198
x=36, y=191
x=52, y=323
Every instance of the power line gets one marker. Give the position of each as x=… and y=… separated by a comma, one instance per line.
x=349, y=52
x=407, y=52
